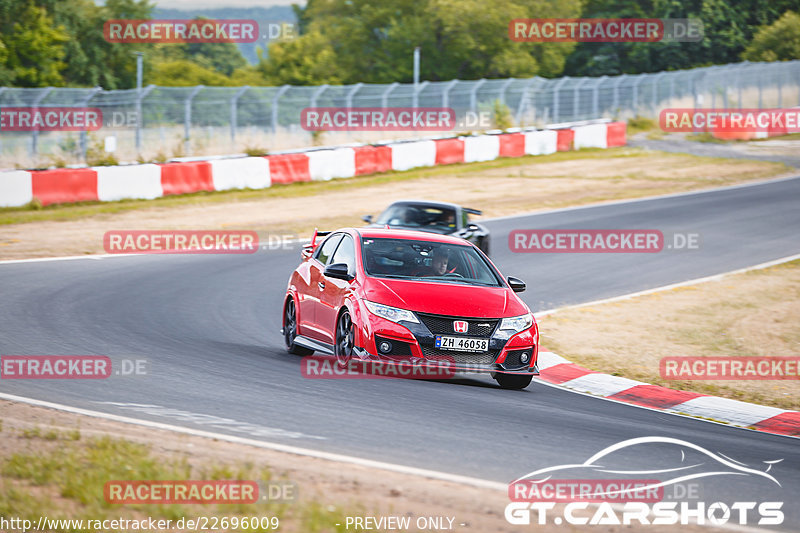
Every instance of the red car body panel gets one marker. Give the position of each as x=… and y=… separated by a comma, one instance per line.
x=318, y=308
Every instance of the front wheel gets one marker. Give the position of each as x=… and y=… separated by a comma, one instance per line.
x=290, y=331
x=513, y=381
x=345, y=337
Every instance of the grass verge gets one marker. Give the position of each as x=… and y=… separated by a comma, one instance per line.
x=749, y=314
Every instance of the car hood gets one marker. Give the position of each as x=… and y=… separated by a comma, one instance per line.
x=445, y=298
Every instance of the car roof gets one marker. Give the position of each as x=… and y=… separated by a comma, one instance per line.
x=426, y=203
x=378, y=233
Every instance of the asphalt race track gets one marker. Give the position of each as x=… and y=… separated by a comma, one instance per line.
x=208, y=326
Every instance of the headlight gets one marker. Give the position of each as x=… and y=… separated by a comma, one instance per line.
x=513, y=325
x=391, y=313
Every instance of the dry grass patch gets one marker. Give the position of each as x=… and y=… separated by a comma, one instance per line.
x=751, y=314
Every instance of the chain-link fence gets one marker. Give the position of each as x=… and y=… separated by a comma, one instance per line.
x=159, y=123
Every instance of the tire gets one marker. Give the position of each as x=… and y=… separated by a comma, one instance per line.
x=345, y=336
x=290, y=331
x=513, y=381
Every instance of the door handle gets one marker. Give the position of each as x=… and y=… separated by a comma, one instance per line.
x=321, y=285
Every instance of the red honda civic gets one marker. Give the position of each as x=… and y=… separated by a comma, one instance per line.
x=388, y=294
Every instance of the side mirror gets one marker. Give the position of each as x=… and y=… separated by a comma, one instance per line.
x=516, y=284
x=337, y=271
x=473, y=227
x=367, y=219
x=306, y=251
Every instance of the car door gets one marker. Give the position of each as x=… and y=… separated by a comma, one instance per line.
x=309, y=305
x=334, y=290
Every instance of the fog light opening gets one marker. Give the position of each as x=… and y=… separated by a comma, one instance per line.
x=524, y=357
x=385, y=347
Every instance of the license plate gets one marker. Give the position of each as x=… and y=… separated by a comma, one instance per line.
x=462, y=344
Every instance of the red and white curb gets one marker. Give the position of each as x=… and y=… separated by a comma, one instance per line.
x=558, y=371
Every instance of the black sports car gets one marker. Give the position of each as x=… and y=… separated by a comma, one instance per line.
x=434, y=217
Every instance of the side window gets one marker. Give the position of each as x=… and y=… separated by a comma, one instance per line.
x=326, y=248
x=346, y=253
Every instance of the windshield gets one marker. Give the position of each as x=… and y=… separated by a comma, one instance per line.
x=425, y=260
x=419, y=216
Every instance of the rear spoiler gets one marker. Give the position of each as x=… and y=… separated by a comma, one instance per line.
x=472, y=211
x=305, y=253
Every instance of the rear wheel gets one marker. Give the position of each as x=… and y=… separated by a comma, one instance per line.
x=513, y=381
x=290, y=331
x=345, y=336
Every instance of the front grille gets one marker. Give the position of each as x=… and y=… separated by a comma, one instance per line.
x=443, y=325
x=471, y=358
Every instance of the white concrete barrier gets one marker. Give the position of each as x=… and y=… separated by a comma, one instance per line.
x=481, y=148
x=129, y=181
x=328, y=164
x=591, y=136
x=16, y=188
x=541, y=142
x=241, y=173
x=413, y=155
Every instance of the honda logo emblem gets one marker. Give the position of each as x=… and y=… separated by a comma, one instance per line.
x=460, y=326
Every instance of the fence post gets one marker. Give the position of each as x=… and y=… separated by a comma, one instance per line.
x=140, y=96
x=187, y=119
x=508, y=82
x=635, y=86
x=596, y=96
x=275, y=98
x=418, y=89
x=84, y=136
x=576, y=98
x=316, y=94
x=35, y=107
x=523, y=100
x=446, y=93
x=385, y=95
x=655, y=91
x=556, y=88
x=234, y=102
x=615, y=100
x=351, y=93
x=473, y=95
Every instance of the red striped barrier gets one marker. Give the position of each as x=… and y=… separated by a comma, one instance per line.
x=565, y=140
x=449, y=151
x=289, y=168
x=152, y=181
x=615, y=134
x=373, y=159
x=182, y=178
x=512, y=145
x=65, y=185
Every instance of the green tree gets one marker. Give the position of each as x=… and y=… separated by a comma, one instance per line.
x=349, y=41
x=780, y=41
x=32, y=43
x=184, y=73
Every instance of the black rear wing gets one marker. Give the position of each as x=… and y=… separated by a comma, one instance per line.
x=472, y=211
x=305, y=253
